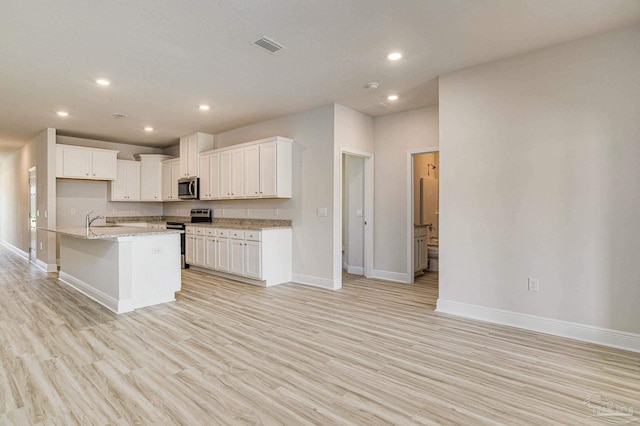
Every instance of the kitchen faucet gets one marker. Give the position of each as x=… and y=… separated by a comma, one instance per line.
x=89, y=221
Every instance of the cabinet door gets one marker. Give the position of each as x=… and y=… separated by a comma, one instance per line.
x=416, y=255
x=166, y=182
x=119, y=186
x=104, y=165
x=133, y=181
x=150, y=179
x=268, y=170
x=252, y=172
x=210, y=253
x=424, y=252
x=192, y=159
x=76, y=163
x=236, y=257
x=214, y=176
x=225, y=174
x=253, y=259
x=199, y=250
x=223, y=254
x=237, y=173
x=205, y=178
x=184, y=156
x=190, y=249
x=175, y=175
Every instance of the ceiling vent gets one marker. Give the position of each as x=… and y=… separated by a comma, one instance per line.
x=118, y=115
x=377, y=106
x=268, y=44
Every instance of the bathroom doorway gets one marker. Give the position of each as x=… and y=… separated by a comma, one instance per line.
x=423, y=237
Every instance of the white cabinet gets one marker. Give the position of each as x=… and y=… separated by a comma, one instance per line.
x=151, y=176
x=420, y=252
x=236, y=256
x=260, y=169
x=126, y=187
x=170, y=176
x=210, y=176
x=260, y=257
x=190, y=146
x=78, y=162
x=222, y=247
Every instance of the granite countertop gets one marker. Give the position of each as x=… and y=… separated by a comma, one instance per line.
x=107, y=232
x=218, y=222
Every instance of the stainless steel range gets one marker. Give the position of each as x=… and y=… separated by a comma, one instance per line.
x=197, y=216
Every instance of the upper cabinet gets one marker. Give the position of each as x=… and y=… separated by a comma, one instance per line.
x=151, y=176
x=78, y=162
x=170, y=176
x=190, y=147
x=260, y=169
x=127, y=185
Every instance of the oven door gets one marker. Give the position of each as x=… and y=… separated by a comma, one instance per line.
x=188, y=188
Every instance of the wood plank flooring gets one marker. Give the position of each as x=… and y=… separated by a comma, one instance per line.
x=228, y=353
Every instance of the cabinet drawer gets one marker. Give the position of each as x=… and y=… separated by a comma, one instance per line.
x=189, y=230
x=223, y=233
x=236, y=234
x=199, y=231
x=252, y=235
x=210, y=232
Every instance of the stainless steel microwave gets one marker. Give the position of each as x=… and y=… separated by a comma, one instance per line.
x=189, y=188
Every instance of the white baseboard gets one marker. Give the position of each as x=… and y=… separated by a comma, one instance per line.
x=390, y=276
x=585, y=333
x=46, y=267
x=355, y=270
x=107, y=301
x=314, y=281
x=16, y=250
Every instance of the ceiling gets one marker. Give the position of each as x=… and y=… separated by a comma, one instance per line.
x=165, y=57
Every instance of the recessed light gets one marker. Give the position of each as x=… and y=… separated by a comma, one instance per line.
x=102, y=81
x=62, y=113
x=392, y=97
x=148, y=129
x=204, y=107
x=394, y=56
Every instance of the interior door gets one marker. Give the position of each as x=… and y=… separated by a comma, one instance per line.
x=33, y=215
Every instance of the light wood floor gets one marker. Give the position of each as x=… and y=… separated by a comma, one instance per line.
x=230, y=353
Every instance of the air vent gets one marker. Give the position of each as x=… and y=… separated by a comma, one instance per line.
x=268, y=44
x=378, y=106
x=118, y=115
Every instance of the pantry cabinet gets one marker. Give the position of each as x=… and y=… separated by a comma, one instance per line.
x=126, y=187
x=79, y=162
x=190, y=146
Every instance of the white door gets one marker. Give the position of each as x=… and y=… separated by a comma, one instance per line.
x=190, y=249
x=166, y=182
x=225, y=174
x=214, y=175
x=199, y=250
x=205, y=179
x=210, y=253
x=223, y=254
x=103, y=165
x=237, y=173
x=76, y=162
x=33, y=215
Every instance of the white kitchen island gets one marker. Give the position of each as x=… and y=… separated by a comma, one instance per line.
x=122, y=268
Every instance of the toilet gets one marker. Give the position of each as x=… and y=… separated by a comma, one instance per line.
x=432, y=253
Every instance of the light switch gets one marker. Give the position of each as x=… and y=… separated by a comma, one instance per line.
x=359, y=213
x=322, y=211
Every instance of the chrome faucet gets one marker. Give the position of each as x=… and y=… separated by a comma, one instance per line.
x=88, y=221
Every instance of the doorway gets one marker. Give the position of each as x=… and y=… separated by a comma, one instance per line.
x=354, y=250
x=423, y=224
x=33, y=216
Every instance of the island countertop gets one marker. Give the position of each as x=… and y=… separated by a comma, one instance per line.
x=109, y=232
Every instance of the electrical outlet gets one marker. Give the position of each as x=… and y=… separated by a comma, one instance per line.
x=276, y=212
x=322, y=212
x=73, y=211
x=156, y=250
x=534, y=284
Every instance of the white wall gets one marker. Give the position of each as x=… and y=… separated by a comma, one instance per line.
x=540, y=178
x=395, y=135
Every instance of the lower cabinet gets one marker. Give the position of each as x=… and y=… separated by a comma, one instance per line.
x=420, y=243
x=262, y=257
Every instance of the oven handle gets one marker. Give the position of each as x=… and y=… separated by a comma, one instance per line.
x=192, y=187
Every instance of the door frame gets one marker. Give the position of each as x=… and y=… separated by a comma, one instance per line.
x=368, y=215
x=410, y=207
x=33, y=207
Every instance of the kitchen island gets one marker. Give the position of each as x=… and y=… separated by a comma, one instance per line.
x=122, y=268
